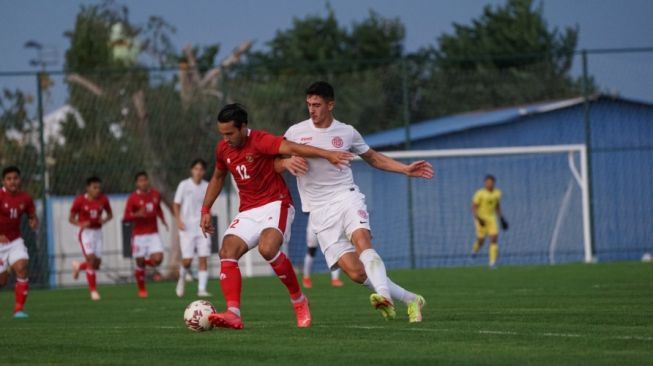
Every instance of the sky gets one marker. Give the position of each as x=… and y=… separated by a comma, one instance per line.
x=602, y=24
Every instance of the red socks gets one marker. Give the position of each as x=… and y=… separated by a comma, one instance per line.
x=231, y=282
x=286, y=273
x=150, y=263
x=90, y=278
x=139, y=275
x=83, y=266
x=20, y=291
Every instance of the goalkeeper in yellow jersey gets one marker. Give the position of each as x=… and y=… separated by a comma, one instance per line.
x=486, y=209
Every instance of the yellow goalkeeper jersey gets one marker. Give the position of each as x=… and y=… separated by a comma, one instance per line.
x=487, y=202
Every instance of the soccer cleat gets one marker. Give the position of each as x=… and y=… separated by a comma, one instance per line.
x=306, y=281
x=492, y=266
x=385, y=306
x=20, y=315
x=76, y=269
x=95, y=296
x=336, y=282
x=189, y=277
x=181, y=286
x=226, y=320
x=303, y=313
x=156, y=276
x=203, y=293
x=415, y=309
x=142, y=294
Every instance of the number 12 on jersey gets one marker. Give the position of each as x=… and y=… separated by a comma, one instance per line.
x=242, y=171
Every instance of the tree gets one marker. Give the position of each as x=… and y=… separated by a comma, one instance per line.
x=508, y=56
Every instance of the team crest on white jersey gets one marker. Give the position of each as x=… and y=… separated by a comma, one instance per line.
x=337, y=142
x=363, y=214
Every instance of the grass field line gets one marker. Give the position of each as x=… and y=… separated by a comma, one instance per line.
x=497, y=332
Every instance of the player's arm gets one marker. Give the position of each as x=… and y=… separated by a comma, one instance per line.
x=159, y=213
x=296, y=165
x=109, y=211
x=504, y=222
x=337, y=158
x=74, y=214
x=417, y=169
x=130, y=213
x=33, y=220
x=475, y=214
x=212, y=191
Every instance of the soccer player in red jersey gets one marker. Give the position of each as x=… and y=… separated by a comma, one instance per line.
x=266, y=211
x=87, y=213
x=13, y=253
x=142, y=209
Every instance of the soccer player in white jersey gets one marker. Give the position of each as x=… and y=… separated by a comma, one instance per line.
x=338, y=214
x=187, y=208
x=311, y=249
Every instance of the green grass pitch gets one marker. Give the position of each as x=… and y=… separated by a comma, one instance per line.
x=538, y=315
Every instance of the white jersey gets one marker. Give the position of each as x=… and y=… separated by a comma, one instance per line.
x=191, y=196
x=324, y=181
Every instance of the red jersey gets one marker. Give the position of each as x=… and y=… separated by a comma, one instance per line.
x=12, y=208
x=252, y=166
x=88, y=210
x=150, y=201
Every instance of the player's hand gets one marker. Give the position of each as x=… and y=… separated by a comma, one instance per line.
x=420, y=169
x=480, y=221
x=165, y=225
x=33, y=222
x=140, y=212
x=296, y=165
x=207, y=225
x=3, y=239
x=341, y=159
x=85, y=225
x=181, y=225
x=504, y=224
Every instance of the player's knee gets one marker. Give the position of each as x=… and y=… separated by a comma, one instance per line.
x=140, y=262
x=187, y=262
x=312, y=251
x=20, y=268
x=268, y=252
x=357, y=275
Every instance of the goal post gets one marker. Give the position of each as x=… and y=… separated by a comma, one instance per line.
x=545, y=198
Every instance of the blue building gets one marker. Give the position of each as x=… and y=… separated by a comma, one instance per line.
x=541, y=198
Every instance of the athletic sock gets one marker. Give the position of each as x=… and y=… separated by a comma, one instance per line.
x=286, y=273
x=231, y=284
x=399, y=293
x=375, y=270
x=308, y=264
x=335, y=274
x=202, y=279
x=182, y=273
x=91, y=279
x=150, y=263
x=494, y=253
x=139, y=275
x=83, y=266
x=20, y=291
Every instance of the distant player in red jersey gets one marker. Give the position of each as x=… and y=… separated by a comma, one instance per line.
x=266, y=211
x=87, y=213
x=142, y=209
x=13, y=253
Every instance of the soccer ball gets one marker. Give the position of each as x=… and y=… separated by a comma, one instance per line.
x=196, y=315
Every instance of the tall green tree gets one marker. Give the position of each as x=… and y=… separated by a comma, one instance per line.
x=507, y=56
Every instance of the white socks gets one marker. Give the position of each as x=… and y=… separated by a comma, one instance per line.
x=375, y=270
x=308, y=264
x=202, y=279
x=396, y=292
x=182, y=273
x=335, y=274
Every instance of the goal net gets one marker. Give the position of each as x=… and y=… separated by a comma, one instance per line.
x=428, y=223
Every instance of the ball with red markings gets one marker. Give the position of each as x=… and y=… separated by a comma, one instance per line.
x=196, y=315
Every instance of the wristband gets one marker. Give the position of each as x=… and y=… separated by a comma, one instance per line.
x=206, y=210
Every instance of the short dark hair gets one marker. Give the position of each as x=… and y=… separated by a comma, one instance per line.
x=199, y=161
x=321, y=89
x=140, y=174
x=10, y=169
x=233, y=112
x=490, y=177
x=93, y=179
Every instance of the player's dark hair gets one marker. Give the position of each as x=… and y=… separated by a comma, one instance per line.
x=321, y=89
x=233, y=112
x=490, y=177
x=199, y=161
x=140, y=174
x=93, y=179
x=10, y=169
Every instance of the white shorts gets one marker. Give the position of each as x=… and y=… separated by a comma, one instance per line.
x=145, y=245
x=11, y=253
x=311, y=238
x=335, y=223
x=91, y=241
x=248, y=225
x=194, y=242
